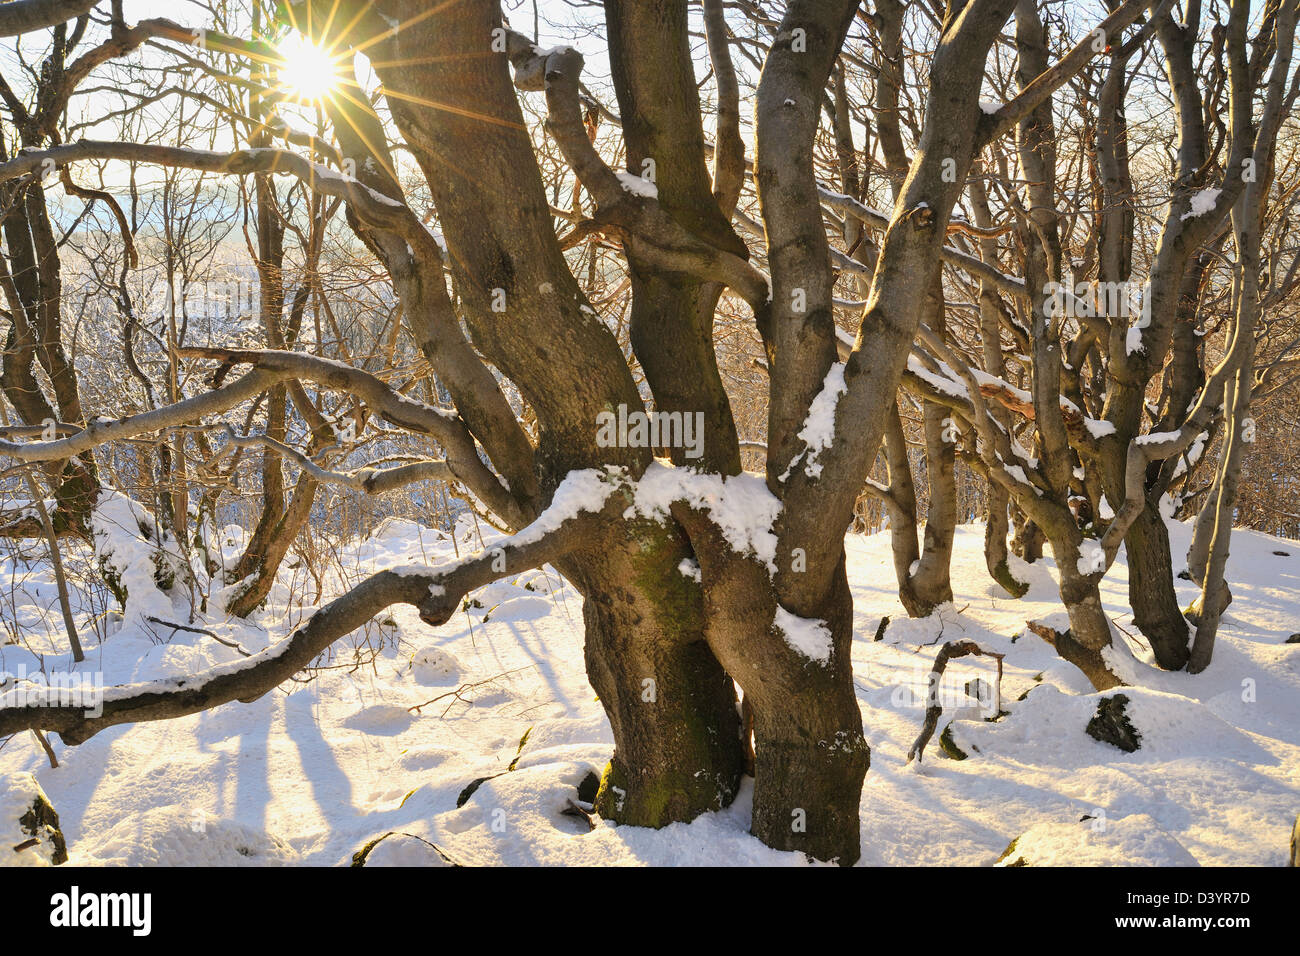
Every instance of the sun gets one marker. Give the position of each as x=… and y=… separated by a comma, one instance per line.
x=307, y=71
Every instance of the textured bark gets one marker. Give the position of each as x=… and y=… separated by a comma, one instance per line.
x=498, y=229
x=810, y=753
x=1151, y=592
x=672, y=319
x=1207, y=610
x=27, y=16
x=678, y=749
x=900, y=504
x=1089, y=634
x=1028, y=540
x=32, y=288
x=932, y=580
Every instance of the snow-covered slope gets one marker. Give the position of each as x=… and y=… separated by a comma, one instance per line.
x=314, y=772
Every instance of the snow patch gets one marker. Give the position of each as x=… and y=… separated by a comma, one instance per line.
x=809, y=636
x=638, y=186
x=819, y=428
x=741, y=506
x=1201, y=203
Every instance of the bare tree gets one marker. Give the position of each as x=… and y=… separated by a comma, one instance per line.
x=698, y=576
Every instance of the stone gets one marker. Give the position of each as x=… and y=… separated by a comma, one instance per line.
x=1110, y=724
x=29, y=827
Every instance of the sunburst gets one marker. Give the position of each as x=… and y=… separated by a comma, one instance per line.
x=306, y=71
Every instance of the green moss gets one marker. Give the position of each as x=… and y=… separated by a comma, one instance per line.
x=1002, y=574
x=1009, y=851
x=675, y=600
x=609, y=801
x=657, y=802
x=949, y=746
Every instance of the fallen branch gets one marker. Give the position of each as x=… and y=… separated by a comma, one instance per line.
x=934, y=709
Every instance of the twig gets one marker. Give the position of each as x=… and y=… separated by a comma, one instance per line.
x=934, y=709
x=45, y=744
x=464, y=687
x=198, y=630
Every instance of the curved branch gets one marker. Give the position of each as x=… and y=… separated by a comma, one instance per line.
x=373, y=206
x=271, y=367
x=729, y=154
x=1048, y=82
x=436, y=592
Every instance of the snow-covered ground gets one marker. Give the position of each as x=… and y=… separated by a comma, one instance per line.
x=315, y=771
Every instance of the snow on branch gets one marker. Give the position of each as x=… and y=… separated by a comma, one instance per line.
x=573, y=521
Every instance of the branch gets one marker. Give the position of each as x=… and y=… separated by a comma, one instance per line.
x=376, y=208
x=436, y=592
x=624, y=207
x=271, y=367
x=368, y=480
x=25, y=16
x=934, y=709
x=729, y=154
x=1047, y=83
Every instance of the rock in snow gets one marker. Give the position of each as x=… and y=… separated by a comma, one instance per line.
x=29, y=827
x=1111, y=725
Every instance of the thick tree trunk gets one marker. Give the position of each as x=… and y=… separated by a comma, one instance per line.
x=677, y=737
x=810, y=763
x=1090, y=632
x=1151, y=590
x=810, y=753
